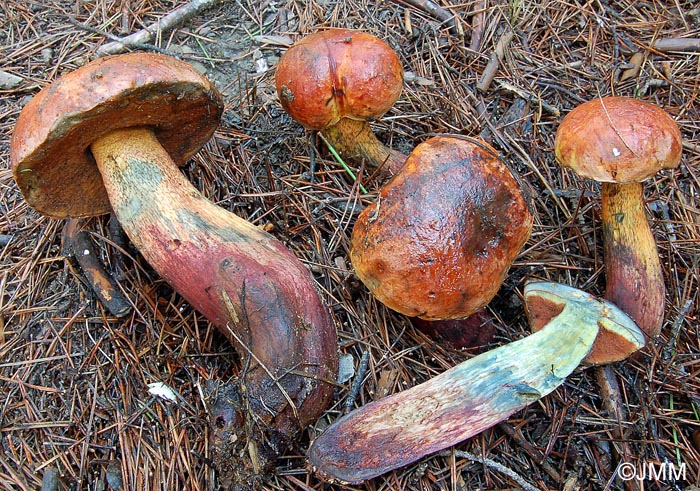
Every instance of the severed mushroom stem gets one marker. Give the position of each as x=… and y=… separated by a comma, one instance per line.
x=470, y=397
x=246, y=283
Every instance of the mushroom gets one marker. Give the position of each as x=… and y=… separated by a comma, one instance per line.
x=439, y=240
x=347, y=78
x=111, y=135
x=621, y=142
x=335, y=82
x=466, y=399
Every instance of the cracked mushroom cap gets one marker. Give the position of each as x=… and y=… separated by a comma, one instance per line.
x=338, y=73
x=50, y=149
x=618, y=139
x=442, y=235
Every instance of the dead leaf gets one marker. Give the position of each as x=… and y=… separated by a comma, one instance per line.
x=636, y=61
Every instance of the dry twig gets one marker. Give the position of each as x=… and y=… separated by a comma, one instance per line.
x=494, y=61
x=666, y=45
x=439, y=13
x=168, y=22
x=78, y=246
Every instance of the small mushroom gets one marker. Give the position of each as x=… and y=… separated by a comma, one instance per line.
x=621, y=142
x=335, y=82
x=112, y=135
x=440, y=238
x=463, y=401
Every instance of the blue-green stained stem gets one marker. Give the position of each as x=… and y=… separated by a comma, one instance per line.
x=468, y=398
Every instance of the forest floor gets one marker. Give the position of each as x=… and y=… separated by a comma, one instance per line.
x=75, y=407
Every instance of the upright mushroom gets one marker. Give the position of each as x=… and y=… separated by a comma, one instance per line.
x=440, y=238
x=621, y=142
x=335, y=82
x=111, y=135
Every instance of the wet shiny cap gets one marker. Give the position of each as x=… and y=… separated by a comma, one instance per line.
x=338, y=73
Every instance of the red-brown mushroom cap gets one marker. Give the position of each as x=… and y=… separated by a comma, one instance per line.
x=618, y=139
x=444, y=231
x=338, y=73
x=50, y=149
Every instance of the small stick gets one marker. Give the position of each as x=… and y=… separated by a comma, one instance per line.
x=477, y=30
x=612, y=403
x=312, y=156
x=439, y=13
x=496, y=57
x=141, y=46
x=170, y=21
x=77, y=245
x=357, y=383
x=463, y=454
x=677, y=44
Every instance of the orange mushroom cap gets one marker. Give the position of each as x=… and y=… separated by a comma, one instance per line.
x=50, y=149
x=444, y=231
x=338, y=73
x=618, y=139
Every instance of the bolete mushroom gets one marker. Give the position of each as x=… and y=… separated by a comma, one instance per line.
x=335, y=82
x=463, y=401
x=441, y=236
x=111, y=135
x=620, y=142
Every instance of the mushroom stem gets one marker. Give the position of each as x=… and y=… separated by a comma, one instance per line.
x=470, y=397
x=635, y=280
x=245, y=282
x=355, y=139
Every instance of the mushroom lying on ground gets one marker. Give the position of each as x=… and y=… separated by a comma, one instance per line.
x=614, y=339
x=334, y=82
x=400, y=429
x=443, y=232
x=112, y=134
x=621, y=142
